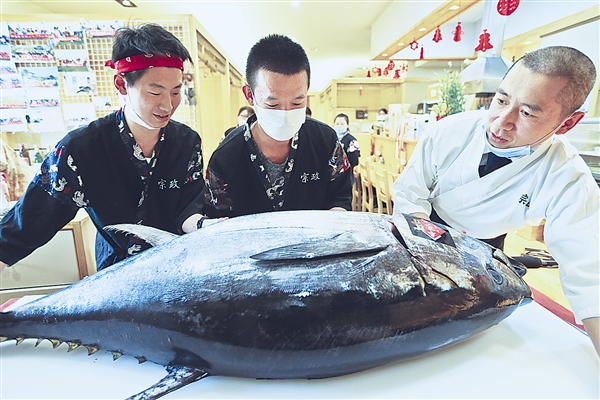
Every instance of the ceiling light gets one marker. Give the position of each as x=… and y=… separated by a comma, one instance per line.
x=384, y=55
x=454, y=7
x=126, y=3
x=422, y=29
x=400, y=44
x=528, y=42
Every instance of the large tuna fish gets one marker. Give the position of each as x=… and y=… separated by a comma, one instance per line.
x=300, y=294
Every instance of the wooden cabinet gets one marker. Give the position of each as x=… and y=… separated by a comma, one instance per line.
x=65, y=259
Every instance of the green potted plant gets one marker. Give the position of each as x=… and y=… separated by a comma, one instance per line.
x=452, y=100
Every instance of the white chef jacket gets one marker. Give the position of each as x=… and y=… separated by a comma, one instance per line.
x=552, y=183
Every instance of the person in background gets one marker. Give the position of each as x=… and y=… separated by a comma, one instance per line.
x=279, y=160
x=381, y=122
x=134, y=166
x=15, y=170
x=489, y=172
x=341, y=125
x=308, y=112
x=242, y=116
x=4, y=203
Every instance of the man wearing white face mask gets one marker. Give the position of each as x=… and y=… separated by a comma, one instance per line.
x=488, y=173
x=279, y=159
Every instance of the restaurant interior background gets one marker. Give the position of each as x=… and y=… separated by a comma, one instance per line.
x=365, y=55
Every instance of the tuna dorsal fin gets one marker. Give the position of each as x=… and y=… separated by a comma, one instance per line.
x=150, y=235
x=340, y=244
x=177, y=378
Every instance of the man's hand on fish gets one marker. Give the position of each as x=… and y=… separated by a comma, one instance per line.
x=191, y=223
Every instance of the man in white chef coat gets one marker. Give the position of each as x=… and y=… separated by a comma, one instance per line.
x=541, y=175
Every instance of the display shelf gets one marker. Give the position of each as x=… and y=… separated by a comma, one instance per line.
x=98, y=50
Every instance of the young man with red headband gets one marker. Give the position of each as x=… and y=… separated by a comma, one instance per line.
x=135, y=165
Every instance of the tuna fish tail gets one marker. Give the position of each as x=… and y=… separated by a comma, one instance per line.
x=177, y=378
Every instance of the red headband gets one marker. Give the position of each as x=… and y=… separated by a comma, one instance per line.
x=143, y=61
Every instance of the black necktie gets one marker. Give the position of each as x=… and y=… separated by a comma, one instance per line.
x=493, y=163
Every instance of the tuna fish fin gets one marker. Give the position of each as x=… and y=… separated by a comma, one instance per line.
x=177, y=378
x=150, y=235
x=341, y=244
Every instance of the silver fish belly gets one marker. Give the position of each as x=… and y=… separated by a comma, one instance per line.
x=298, y=294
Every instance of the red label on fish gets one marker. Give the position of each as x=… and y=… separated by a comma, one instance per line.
x=431, y=229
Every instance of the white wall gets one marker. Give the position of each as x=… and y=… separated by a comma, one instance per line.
x=532, y=14
x=398, y=18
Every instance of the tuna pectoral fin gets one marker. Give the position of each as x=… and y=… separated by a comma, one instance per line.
x=177, y=378
x=342, y=244
x=150, y=235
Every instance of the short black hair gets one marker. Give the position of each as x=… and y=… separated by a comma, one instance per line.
x=342, y=115
x=276, y=53
x=248, y=110
x=146, y=39
x=564, y=62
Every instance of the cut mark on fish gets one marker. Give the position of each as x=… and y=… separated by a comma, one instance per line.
x=337, y=245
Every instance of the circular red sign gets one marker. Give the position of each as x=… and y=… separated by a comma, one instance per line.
x=507, y=7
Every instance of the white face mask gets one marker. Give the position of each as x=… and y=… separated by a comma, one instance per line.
x=280, y=125
x=134, y=117
x=510, y=152
x=340, y=130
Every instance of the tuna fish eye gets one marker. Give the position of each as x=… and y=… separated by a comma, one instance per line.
x=495, y=275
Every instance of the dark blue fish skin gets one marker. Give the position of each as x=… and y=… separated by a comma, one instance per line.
x=301, y=294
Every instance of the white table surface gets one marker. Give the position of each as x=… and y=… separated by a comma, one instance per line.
x=531, y=355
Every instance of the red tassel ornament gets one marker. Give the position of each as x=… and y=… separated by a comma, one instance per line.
x=458, y=32
x=437, y=36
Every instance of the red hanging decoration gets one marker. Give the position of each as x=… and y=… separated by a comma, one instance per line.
x=391, y=65
x=507, y=7
x=458, y=32
x=386, y=71
x=376, y=71
x=437, y=36
x=484, y=42
x=397, y=74
x=414, y=45
x=368, y=73
x=421, y=56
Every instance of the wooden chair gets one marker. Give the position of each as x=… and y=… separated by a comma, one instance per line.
x=391, y=178
x=383, y=192
x=356, y=190
x=366, y=187
x=374, y=168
